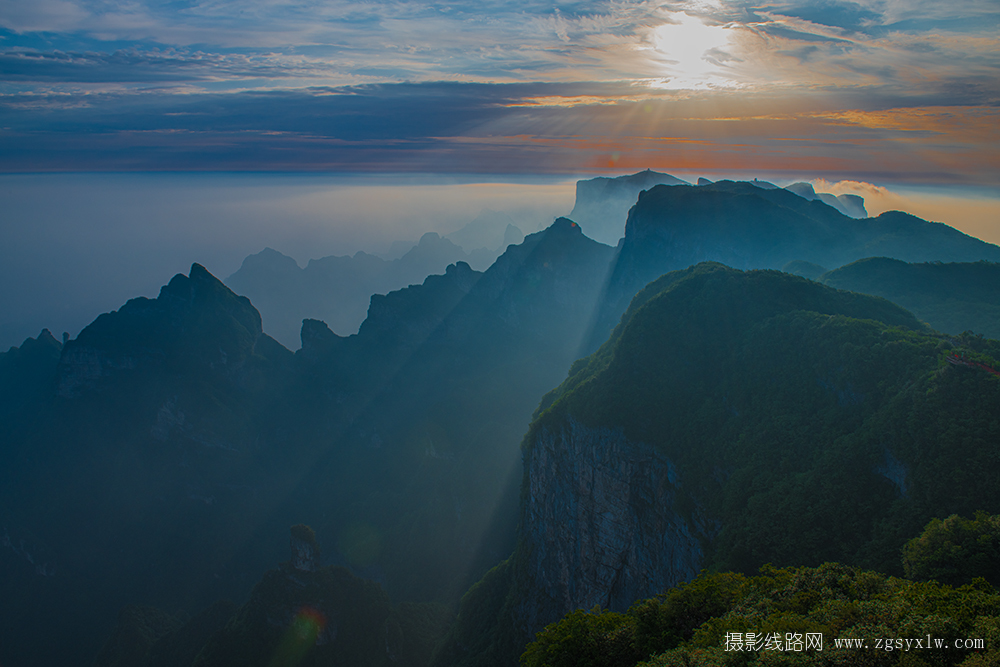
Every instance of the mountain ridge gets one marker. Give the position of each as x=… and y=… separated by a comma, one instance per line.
x=736, y=418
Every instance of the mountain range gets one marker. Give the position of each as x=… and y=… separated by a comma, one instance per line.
x=337, y=290
x=157, y=459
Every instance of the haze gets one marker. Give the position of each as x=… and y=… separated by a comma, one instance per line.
x=900, y=99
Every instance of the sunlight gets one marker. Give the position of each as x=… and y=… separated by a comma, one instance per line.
x=686, y=50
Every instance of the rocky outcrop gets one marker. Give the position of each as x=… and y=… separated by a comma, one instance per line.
x=547, y=283
x=600, y=523
x=404, y=319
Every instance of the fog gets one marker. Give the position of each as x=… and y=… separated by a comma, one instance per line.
x=74, y=246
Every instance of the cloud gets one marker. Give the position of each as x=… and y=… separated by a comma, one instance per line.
x=144, y=66
x=223, y=44
x=335, y=84
x=849, y=16
x=973, y=213
x=510, y=128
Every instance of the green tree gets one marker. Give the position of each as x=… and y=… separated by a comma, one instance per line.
x=956, y=550
x=585, y=639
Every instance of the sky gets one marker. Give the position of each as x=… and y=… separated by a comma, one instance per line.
x=900, y=90
x=125, y=124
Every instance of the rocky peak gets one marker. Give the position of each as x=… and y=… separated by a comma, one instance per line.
x=195, y=321
x=305, y=550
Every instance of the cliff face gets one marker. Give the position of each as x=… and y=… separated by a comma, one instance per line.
x=600, y=523
x=735, y=419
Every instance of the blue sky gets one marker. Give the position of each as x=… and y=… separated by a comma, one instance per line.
x=896, y=90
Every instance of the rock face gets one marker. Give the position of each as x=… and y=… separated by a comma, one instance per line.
x=600, y=523
x=305, y=551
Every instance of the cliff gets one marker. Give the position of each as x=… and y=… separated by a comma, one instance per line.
x=735, y=419
x=600, y=522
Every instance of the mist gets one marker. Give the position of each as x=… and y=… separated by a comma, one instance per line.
x=73, y=246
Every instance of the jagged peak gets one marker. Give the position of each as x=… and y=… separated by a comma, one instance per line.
x=565, y=225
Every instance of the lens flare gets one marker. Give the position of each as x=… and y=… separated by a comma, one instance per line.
x=301, y=636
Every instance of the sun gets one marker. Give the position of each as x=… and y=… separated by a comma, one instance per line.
x=684, y=48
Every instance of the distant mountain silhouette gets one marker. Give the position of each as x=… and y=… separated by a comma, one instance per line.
x=602, y=203
x=850, y=205
x=808, y=270
x=333, y=289
x=337, y=290
x=487, y=236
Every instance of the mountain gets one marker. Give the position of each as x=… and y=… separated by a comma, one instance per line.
x=799, y=615
x=850, y=205
x=150, y=463
x=951, y=297
x=333, y=289
x=440, y=404
x=805, y=269
x=735, y=419
x=25, y=372
x=747, y=227
x=163, y=447
x=602, y=203
x=488, y=235
x=140, y=470
x=298, y=613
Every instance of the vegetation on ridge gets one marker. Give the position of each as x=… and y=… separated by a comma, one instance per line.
x=727, y=619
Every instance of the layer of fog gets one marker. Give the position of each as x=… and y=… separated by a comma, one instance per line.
x=74, y=246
